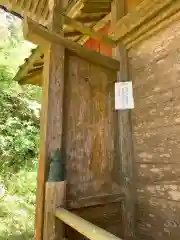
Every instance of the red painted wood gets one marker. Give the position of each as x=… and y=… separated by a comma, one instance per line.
x=98, y=45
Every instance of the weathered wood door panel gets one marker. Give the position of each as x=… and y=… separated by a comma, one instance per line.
x=93, y=187
x=155, y=70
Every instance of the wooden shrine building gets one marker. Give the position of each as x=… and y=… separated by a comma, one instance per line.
x=103, y=173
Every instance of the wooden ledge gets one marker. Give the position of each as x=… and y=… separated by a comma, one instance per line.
x=39, y=35
x=82, y=226
x=95, y=201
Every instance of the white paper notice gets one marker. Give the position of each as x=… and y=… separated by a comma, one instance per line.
x=124, y=95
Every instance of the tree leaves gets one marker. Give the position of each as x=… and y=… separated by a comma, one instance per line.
x=19, y=109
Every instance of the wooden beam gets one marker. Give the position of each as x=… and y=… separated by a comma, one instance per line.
x=89, y=31
x=95, y=201
x=55, y=192
x=124, y=131
x=143, y=12
x=28, y=64
x=51, y=112
x=162, y=20
x=84, y=227
x=35, y=79
x=74, y=8
x=96, y=28
x=39, y=10
x=40, y=35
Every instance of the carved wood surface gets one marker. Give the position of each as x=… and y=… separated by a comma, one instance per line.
x=155, y=74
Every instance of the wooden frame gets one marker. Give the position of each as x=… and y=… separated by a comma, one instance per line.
x=51, y=118
x=124, y=136
x=40, y=35
x=129, y=30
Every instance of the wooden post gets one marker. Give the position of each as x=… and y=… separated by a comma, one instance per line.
x=54, y=197
x=51, y=117
x=125, y=150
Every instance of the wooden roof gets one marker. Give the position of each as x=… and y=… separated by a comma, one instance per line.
x=91, y=13
x=144, y=18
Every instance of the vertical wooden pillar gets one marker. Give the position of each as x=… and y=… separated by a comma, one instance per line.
x=125, y=142
x=51, y=112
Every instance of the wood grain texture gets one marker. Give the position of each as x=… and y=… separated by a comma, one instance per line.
x=154, y=173
x=124, y=146
x=142, y=20
x=154, y=66
x=143, y=11
x=93, y=182
x=165, y=190
x=89, y=132
x=107, y=217
x=157, y=219
x=51, y=116
x=158, y=145
x=54, y=197
x=95, y=201
x=41, y=36
x=84, y=227
x=51, y=121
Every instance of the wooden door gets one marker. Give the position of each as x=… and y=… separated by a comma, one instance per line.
x=93, y=188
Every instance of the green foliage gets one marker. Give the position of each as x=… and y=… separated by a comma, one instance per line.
x=17, y=206
x=19, y=136
x=19, y=121
x=19, y=128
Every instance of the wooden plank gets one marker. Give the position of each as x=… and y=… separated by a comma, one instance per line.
x=54, y=197
x=165, y=114
x=154, y=71
x=159, y=145
x=106, y=216
x=51, y=114
x=84, y=227
x=74, y=7
x=158, y=219
x=159, y=83
x=150, y=88
x=124, y=131
x=40, y=35
x=88, y=31
x=154, y=173
x=28, y=64
x=102, y=215
x=34, y=78
x=158, y=54
x=161, y=21
x=96, y=28
x=167, y=190
x=95, y=201
x=131, y=4
x=173, y=18
x=143, y=12
x=149, y=102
